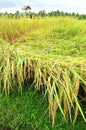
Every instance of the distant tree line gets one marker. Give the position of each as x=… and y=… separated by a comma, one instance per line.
x=43, y=13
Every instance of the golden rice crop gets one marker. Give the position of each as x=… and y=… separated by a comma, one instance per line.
x=50, y=52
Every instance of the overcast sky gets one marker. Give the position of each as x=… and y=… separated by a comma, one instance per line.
x=49, y=5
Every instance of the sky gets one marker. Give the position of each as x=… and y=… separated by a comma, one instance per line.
x=77, y=6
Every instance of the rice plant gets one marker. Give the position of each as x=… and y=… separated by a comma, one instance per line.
x=50, y=53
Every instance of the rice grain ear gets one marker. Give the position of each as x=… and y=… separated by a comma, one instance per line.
x=76, y=86
x=75, y=114
x=55, y=107
x=65, y=104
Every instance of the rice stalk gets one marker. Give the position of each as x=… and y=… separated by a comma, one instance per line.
x=53, y=60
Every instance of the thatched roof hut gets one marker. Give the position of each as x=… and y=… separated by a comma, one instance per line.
x=26, y=8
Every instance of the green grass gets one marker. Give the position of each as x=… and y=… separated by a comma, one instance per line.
x=49, y=52
x=30, y=112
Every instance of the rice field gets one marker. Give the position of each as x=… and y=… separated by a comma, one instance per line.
x=51, y=54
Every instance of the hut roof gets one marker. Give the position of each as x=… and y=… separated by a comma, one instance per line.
x=26, y=8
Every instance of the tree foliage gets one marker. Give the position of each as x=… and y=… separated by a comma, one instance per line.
x=43, y=13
